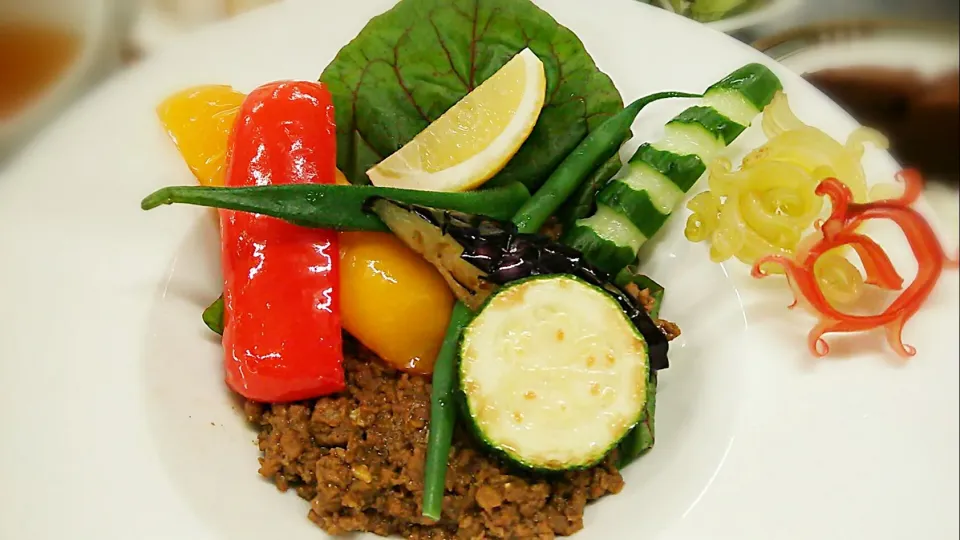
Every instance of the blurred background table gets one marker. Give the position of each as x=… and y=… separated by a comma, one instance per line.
x=816, y=11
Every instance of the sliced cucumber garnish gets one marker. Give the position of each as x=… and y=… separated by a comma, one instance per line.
x=731, y=104
x=755, y=82
x=611, y=226
x=660, y=173
x=712, y=121
x=636, y=205
x=552, y=373
x=681, y=171
x=608, y=237
x=690, y=139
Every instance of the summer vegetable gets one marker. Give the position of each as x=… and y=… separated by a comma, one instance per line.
x=333, y=206
x=552, y=373
x=841, y=229
x=392, y=301
x=412, y=63
x=642, y=436
x=500, y=113
x=497, y=253
x=592, y=152
x=633, y=207
x=383, y=286
x=767, y=206
x=276, y=273
x=199, y=121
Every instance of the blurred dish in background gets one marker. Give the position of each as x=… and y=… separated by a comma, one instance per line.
x=50, y=51
x=33, y=56
x=729, y=15
x=920, y=115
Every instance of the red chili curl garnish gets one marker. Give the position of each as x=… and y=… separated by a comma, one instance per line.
x=840, y=230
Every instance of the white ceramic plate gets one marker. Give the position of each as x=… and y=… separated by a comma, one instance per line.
x=118, y=426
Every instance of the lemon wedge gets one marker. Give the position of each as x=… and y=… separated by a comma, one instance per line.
x=475, y=138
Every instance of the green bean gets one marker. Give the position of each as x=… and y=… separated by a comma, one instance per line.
x=335, y=206
x=641, y=437
x=597, y=147
x=442, y=414
x=213, y=316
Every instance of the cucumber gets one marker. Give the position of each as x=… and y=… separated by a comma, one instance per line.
x=552, y=373
x=731, y=104
x=636, y=203
x=712, y=121
x=690, y=140
x=681, y=172
x=611, y=240
x=754, y=82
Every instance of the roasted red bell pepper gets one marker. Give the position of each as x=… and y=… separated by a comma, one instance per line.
x=281, y=335
x=842, y=229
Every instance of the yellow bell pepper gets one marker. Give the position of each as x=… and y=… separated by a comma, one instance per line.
x=392, y=300
x=199, y=120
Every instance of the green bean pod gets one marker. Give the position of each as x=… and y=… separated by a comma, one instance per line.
x=597, y=147
x=338, y=207
x=442, y=413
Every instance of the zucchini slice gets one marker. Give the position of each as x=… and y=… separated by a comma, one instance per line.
x=552, y=373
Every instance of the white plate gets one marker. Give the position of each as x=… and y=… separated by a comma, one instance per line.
x=118, y=426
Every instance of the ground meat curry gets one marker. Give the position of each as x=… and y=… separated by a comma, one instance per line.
x=358, y=457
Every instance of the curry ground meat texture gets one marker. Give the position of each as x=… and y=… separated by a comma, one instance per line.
x=358, y=457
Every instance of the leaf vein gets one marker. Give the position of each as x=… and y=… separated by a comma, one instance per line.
x=473, y=46
x=396, y=70
x=446, y=50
